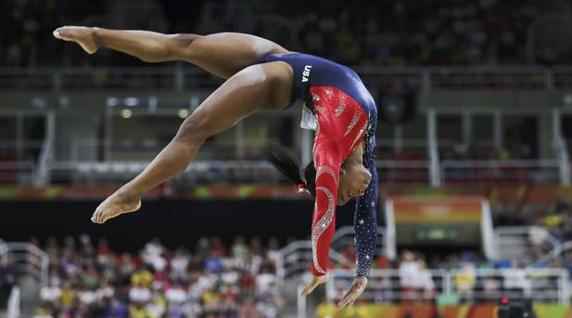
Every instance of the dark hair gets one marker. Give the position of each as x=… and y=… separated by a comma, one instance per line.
x=285, y=162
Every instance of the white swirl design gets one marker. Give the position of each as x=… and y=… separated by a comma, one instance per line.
x=321, y=226
x=326, y=169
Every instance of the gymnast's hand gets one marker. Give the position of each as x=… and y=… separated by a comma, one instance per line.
x=358, y=286
x=316, y=281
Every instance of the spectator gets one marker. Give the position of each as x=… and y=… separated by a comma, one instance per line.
x=366, y=33
x=423, y=283
x=517, y=282
x=465, y=280
x=409, y=271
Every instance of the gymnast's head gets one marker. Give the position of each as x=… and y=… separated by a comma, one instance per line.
x=353, y=182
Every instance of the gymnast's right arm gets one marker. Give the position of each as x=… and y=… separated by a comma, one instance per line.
x=327, y=159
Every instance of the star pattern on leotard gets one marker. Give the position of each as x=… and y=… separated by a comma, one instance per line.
x=366, y=206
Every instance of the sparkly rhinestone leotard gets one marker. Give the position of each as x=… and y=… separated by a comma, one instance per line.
x=345, y=114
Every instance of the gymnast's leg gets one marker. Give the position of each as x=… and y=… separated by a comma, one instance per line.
x=221, y=54
x=244, y=93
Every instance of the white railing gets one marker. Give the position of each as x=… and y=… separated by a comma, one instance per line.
x=30, y=162
x=184, y=77
x=17, y=172
x=390, y=171
x=18, y=161
x=29, y=259
x=404, y=171
x=3, y=251
x=296, y=258
x=82, y=149
x=517, y=242
x=204, y=171
x=301, y=307
x=564, y=158
x=538, y=171
x=542, y=285
x=13, y=308
x=557, y=253
x=47, y=152
x=488, y=237
x=492, y=77
x=345, y=236
x=385, y=286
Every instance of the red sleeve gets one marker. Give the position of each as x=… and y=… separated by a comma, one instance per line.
x=327, y=159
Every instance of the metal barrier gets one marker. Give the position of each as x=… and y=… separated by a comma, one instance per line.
x=542, y=285
x=205, y=170
x=386, y=286
x=556, y=254
x=3, y=251
x=345, y=235
x=31, y=264
x=28, y=259
x=296, y=258
x=404, y=171
x=185, y=77
x=13, y=310
x=561, y=149
x=17, y=172
x=46, y=153
x=390, y=171
x=200, y=171
x=518, y=242
x=489, y=171
x=18, y=161
x=131, y=150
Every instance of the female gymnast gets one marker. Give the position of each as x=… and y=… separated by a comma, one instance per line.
x=262, y=74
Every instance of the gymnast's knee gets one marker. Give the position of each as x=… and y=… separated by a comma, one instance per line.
x=195, y=129
x=181, y=43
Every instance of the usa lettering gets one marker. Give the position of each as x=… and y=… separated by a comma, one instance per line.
x=306, y=73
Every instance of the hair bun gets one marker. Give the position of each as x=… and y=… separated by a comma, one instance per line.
x=302, y=187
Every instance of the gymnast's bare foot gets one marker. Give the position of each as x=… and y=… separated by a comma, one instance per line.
x=116, y=204
x=83, y=36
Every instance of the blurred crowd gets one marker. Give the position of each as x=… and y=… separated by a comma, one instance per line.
x=241, y=280
x=403, y=32
x=425, y=33
x=88, y=280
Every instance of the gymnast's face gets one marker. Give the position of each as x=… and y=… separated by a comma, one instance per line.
x=354, y=180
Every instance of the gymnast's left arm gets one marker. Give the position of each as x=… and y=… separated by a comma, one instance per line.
x=365, y=226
